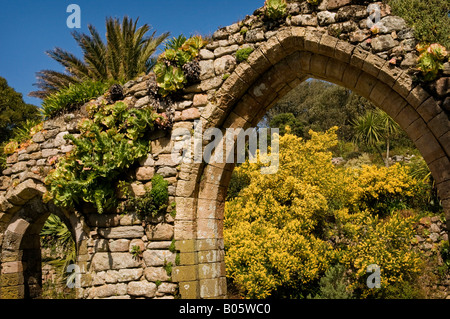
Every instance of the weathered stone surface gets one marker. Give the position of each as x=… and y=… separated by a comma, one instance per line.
x=155, y=258
x=122, y=232
x=221, y=51
x=120, y=245
x=392, y=23
x=113, y=261
x=253, y=36
x=141, y=289
x=167, y=171
x=156, y=273
x=304, y=20
x=335, y=4
x=126, y=275
x=383, y=43
x=145, y=173
x=160, y=232
x=190, y=114
x=326, y=17
x=225, y=64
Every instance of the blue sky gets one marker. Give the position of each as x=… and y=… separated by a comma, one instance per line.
x=29, y=28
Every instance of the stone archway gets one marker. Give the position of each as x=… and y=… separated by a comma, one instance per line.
x=289, y=56
x=21, y=272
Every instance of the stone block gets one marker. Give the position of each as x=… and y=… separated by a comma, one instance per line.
x=184, y=273
x=429, y=109
x=189, y=290
x=142, y=289
x=156, y=258
x=167, y=288
x=160, y=232
x=336, y=4
x=122, y=232
x=113, y=261
x=223, y=65
x=154, y=274
x=185, y=208
x=145, y=173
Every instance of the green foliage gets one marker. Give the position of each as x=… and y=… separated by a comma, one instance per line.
x=431, y=60
x=314, y=2
x=136, y=252
x=73, y=96
x=238, y=182
x=126, y=54
x=284, y=120
x=275, y=9
x=374, y=127
x=334, y=285
x=14, y=112
x=178, y=52
x=16, y=118
x=429, y=18
x=153, y=202
x=318, y=106
x=57, y=237
x=169, y=78
x=112, y=140
x=243, y=54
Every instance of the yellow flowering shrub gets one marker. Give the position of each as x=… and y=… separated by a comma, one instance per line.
x=370, y=240
x=280, y=231
x=383, y=189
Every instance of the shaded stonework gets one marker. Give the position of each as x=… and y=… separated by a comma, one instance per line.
x=330, y=42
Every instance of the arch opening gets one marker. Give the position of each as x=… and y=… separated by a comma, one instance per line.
x=21, y=254
x=275, y=69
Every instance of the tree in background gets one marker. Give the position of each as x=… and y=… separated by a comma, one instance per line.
x=375, y=127
x=17, y=118
x=126, y=54
x=14, y=112
x=317, y=105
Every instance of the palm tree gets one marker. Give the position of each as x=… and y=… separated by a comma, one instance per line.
x=375, y=127
x=126, y=54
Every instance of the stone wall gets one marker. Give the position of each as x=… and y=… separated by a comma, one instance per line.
x=330, y=42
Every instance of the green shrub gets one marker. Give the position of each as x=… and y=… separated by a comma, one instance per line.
x=428, y=18
x=152, y=202
x=334, y=284
x=243, y=54
x=73, y=96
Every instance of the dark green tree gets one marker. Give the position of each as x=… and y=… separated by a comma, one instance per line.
x=14, y=112
x=318, y=106
x=126, y=54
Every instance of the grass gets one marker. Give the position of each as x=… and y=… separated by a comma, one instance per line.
x=72, y=97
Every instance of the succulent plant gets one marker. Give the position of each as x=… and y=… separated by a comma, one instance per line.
x=275, y=9
x=192, y=71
